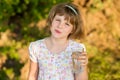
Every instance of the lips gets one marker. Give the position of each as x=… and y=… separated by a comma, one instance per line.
x=57, y=31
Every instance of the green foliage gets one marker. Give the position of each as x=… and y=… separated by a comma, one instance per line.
x=103, y=65
x=10, y=70
x=3, y=75
x=11, y=51
x=28, y=10
x=96, y=6
x=18, y=14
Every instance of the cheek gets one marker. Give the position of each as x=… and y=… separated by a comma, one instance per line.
x=54, y=24
x=69, y=30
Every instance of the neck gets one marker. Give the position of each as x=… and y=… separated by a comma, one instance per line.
x=56, y=41
x=56, y=45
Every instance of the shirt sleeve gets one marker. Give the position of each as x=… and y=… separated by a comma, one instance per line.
x=32, y=54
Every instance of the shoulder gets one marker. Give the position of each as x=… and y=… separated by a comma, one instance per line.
x=36, y=44
x=76, y=45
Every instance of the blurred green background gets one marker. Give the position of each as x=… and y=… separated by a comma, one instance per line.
x=23, y=21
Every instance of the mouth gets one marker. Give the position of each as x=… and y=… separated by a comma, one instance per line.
x=57, y=31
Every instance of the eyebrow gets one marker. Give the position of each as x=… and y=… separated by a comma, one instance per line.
x=67, y=19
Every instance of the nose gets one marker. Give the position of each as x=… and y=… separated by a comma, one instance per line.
x=60, y=25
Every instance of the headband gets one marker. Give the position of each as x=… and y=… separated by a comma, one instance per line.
x=70, y=7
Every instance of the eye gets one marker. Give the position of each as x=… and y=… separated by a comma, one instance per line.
x=57, y=19
x=67, y=24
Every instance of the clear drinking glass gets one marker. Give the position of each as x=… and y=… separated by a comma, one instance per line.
x=77, y=68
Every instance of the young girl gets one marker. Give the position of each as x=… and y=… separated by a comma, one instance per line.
x=51, y=57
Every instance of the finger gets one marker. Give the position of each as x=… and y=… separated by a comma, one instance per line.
x=83, y=62
x=83, y=53
x=74, y=56
x=82, y=57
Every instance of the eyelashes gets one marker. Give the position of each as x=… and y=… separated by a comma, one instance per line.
x=67, y=24
x=57, y=20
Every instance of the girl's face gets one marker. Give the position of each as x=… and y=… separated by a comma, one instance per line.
x=61, y=27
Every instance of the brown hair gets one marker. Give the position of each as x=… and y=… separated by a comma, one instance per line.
x=73, y=15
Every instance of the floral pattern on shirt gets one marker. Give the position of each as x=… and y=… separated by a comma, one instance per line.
x=53, y=66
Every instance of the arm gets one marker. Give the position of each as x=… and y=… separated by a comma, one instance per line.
x=83, y=75
x=33, y=71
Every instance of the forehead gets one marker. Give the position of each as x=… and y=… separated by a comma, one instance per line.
x=64, y=16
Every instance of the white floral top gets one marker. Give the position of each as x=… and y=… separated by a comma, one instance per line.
x=53, y=66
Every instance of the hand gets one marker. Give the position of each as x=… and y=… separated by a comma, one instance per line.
x=82, y=57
